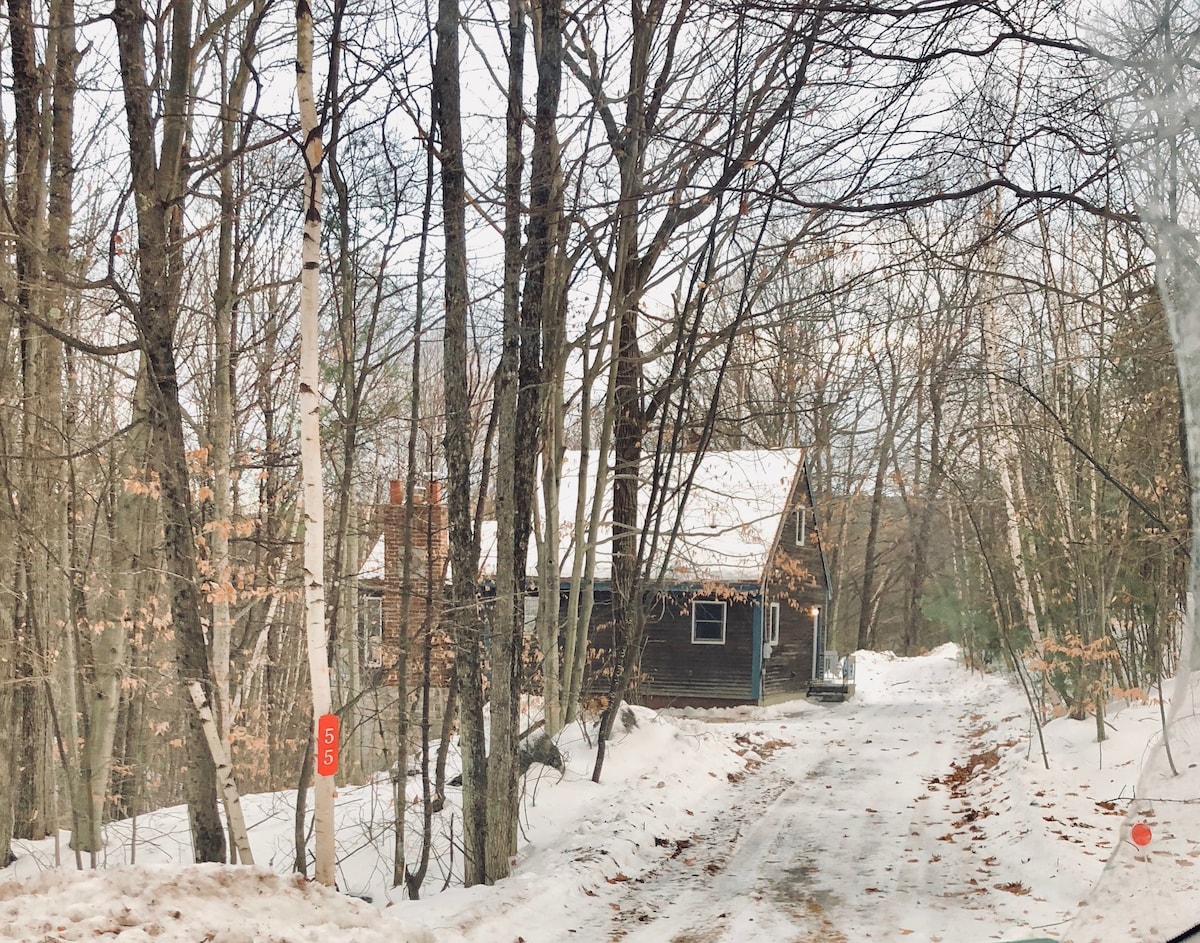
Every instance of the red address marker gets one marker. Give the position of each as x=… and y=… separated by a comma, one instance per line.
x=1140, y=834
x=327, y=744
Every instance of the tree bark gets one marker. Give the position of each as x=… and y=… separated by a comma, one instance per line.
x=464, y=544
x=159, y=187
x=229, y=790
x=310, y=434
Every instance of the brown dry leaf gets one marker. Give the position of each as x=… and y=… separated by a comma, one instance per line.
x=1013, y=887
x=618, y=878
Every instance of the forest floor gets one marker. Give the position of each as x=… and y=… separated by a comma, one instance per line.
x=919, y=811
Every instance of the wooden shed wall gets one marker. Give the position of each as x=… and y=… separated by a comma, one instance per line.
x=797, y=581
x=678, y=669
x=673, y=670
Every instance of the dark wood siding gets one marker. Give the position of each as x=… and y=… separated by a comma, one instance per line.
x=796, y=580
x=675, y=668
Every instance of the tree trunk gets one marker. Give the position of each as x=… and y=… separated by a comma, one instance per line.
x=542, y=323
x=866, y=611
x=310, y=434
x=132, y=531
x=928, y=498
x=229, y=791
x=159, y=188
x=464, y=546
x=9, y=716
x=515, y=448
x=414, y=878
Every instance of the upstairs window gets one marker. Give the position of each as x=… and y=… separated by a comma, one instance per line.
x=801, y=526
x=708, y=622
x=771, y=629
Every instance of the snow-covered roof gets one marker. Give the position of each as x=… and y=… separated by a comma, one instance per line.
x=726, y=526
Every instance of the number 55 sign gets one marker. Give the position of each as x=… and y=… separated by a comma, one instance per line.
x=327, y=744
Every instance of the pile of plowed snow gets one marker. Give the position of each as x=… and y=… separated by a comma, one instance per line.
x=165, y=904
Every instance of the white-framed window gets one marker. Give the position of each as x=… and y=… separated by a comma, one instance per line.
x=771, y=629
x=801, y=525
x=708, y=622
x=370, y=621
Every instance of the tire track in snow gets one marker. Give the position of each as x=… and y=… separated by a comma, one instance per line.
x=832, y=851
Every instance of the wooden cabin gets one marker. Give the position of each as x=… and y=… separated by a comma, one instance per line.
x=748, y=626
x=736, y=608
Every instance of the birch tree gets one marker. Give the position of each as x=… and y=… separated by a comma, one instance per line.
x=317, y=641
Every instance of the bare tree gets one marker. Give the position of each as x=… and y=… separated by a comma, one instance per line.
x=464, y=539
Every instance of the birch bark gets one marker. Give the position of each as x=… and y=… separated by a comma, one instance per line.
x=310, y=432
x=229, y=790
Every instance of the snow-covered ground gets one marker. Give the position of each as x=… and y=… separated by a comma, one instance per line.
x=919, y=811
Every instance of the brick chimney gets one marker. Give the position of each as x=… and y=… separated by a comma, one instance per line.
x=430, y=547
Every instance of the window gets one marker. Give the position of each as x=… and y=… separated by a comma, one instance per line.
x=708, y=622
x=370, y=625
x=531, y=613
x=801, y=525
x=771, y=629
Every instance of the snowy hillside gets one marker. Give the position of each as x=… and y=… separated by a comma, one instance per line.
x=920, y=811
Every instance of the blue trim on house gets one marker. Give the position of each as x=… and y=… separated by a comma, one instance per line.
x=756, y=660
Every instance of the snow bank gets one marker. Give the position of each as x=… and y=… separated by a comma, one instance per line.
x=223, y=903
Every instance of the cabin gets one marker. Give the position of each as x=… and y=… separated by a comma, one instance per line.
x=739, y=590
